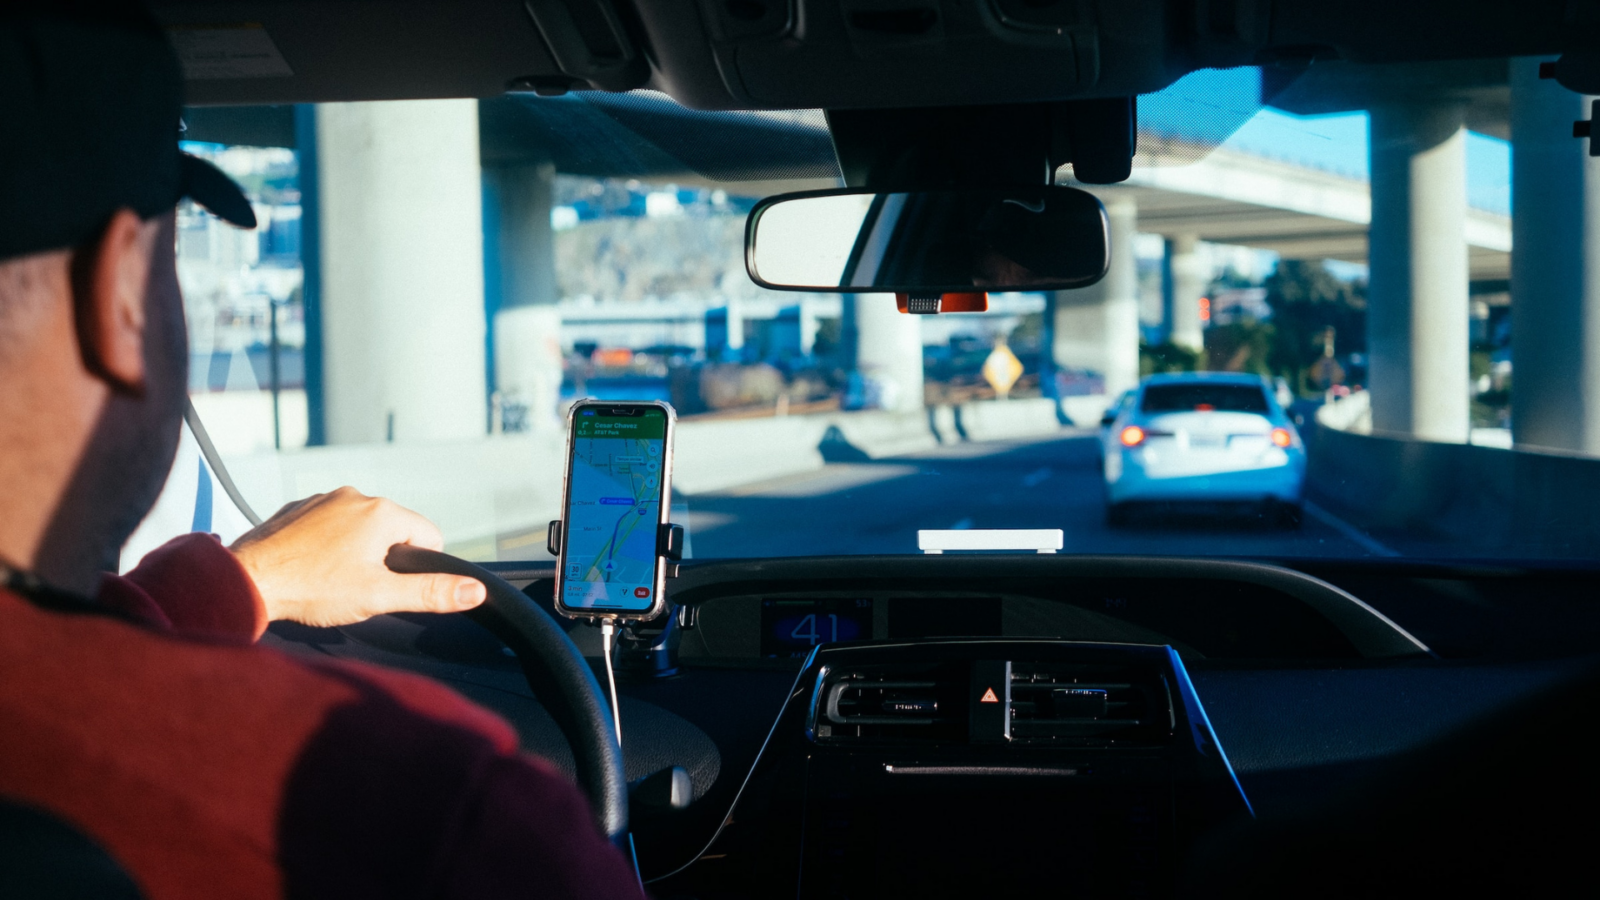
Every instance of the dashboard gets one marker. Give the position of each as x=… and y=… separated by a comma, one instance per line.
x=829, y=716
x=782, y=609
x=789, y=625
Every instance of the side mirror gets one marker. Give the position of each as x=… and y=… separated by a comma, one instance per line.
x=1109, y=417
x=1043, y=238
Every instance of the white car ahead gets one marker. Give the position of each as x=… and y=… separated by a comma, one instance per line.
x=1207, y=442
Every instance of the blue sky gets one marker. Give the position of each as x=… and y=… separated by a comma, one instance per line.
x=1212, y=104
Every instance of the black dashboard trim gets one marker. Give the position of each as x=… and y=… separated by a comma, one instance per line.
x=1374, y=635
x=794, y=692
x=1200, y=721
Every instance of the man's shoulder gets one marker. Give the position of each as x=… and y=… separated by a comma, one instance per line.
x=163, y=746
x=208, y=677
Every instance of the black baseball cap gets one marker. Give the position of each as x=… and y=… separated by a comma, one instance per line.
x=91, y=99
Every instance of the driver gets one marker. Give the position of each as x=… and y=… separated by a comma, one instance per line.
x=137, y=709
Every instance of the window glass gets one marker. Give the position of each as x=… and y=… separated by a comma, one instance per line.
x=435, y=282
x=1161, y=398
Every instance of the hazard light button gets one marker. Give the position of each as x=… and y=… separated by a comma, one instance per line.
x=989, y=712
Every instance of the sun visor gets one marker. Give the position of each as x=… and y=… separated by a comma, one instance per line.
x=644, y=134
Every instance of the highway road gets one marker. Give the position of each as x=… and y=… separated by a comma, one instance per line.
x=878, y=506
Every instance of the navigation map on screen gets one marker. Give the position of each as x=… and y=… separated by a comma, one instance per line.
x=614, y=508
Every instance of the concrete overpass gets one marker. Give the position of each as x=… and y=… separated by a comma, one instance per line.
x=1297, y=212
x=1242, y=199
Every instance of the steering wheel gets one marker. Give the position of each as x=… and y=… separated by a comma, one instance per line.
x=557, y=673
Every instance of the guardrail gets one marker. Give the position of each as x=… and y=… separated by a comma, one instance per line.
x=1487, y=501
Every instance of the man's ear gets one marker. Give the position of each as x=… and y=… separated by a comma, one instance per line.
x=109, y=280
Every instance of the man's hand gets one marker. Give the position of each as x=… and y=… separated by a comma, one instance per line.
x=320, y=562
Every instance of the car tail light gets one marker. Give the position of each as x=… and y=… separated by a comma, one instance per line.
x=1280, y=437
x=1132, y=436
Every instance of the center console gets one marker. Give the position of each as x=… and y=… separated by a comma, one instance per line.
x=965, y=767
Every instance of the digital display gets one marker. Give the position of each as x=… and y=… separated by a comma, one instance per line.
x=791, y=628
x=614, y=508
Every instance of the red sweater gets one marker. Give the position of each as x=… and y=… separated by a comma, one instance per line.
x=210, y=767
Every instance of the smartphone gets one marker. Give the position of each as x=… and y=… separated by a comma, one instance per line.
x=614, y=507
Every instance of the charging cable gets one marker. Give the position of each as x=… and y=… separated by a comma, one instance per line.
x=208, y=452
x=608, y=627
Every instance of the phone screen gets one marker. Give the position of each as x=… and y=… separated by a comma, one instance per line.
x=619, y=469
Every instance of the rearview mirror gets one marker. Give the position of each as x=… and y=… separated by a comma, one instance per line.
x=1015, y=239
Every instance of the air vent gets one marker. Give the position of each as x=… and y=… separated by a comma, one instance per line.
x=892, y=703
x=1089, y=705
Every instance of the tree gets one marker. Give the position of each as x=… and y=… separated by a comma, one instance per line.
x=1306, y=301
x=1244, y=345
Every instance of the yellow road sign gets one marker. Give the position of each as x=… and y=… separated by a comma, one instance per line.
x=1002, y=369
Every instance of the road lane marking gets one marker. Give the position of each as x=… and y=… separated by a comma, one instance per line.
x=1345, y=528
x=831, y=479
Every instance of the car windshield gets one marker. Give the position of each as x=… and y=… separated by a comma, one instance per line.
x=435, y=283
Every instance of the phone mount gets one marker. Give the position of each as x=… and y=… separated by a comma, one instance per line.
x=648, y=650
x=669, y=540
x=645, y=649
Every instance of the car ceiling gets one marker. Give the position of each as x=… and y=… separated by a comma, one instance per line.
x=809, y=54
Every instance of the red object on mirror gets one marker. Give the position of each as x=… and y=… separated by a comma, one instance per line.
x=974, y=302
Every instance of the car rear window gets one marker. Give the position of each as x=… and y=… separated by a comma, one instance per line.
x=1159, y=398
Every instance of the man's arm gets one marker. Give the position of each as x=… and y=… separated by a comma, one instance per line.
x=321, y=562
x=193, y=585
x=405, y=788
x=318, y=562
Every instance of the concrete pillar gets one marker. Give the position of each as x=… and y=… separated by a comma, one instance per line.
x=889, y=352
x=734, y=323
x=1185, y=284
x=1417, y=314
x=1097, y=327
x=808, y=324
x=724, y=332
x=401, y=270
x=1048, y=385
x=527, y=324
x=1555, y=268
x=305, y=139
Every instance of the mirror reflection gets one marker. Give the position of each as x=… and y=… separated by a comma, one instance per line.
x=1045, y=238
